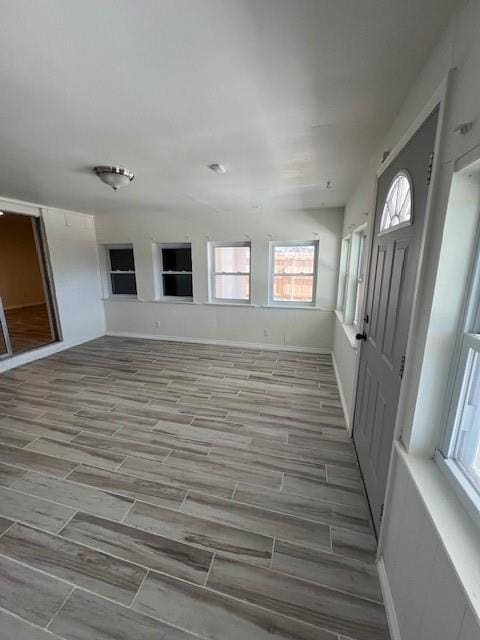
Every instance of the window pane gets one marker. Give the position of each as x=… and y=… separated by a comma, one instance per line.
x=122, y=260
x=177, y=259
x=232, y=287
x=294, y=259
x=342, y=278
x=177, y=285
x=232, y=259
x=293, y=288
x=124, y=284
x=467, y=446
x=398, y=203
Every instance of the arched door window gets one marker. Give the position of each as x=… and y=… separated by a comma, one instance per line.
x=397, y=210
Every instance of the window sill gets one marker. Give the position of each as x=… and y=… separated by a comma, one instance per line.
x=173, y=300
x=349, y=330
x=465, y=492
x=230, y=304
x=303, y=307
x=119, y=297
x=456, y=529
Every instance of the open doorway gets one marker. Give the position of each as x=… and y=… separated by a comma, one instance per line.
x=26, y=310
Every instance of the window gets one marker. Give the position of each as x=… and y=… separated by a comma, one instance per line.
x=293, y=273
x=360, y=267
x=343, y=274
x=459, y=452
x=230, y=271
x=176, y=271
x=351, y=277
x=121, y=272
x=397, y=211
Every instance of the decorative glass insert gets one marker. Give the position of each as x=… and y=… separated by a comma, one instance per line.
x=397, y=209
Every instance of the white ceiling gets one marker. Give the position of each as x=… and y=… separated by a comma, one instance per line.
x=287, y=94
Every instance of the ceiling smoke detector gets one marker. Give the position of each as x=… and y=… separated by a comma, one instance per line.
x=217, y=168
x=115, y=177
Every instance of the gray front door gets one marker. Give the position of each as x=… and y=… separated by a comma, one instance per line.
x=393, y=265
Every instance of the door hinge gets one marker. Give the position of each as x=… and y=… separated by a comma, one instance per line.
x=430, y=168
x=402, y=366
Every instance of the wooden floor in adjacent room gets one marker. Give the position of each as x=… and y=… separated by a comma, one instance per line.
x=28, y=327
x=169, y=491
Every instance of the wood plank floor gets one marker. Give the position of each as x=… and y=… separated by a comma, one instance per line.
x=158, y=490
x=28, y=327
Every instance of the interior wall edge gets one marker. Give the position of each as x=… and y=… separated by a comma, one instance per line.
x=343, y=400
x=388, y=601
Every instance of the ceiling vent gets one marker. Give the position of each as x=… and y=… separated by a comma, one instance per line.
x=217, y=168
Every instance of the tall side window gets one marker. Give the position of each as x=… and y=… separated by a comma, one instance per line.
x=360, y=272
x=343, y=274
x=293, y=273
x=175, y=265
x=230, y=272
x=459, y=452
x=121, y=265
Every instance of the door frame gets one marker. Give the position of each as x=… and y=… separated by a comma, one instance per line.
x=43, y=256
x=6, y=335
x=438, y=99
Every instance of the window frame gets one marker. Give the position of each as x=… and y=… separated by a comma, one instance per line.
x=468, y=339
x=360, y=276
x=213, y=273
x=271, y=273
x=161, y=295
x=343, y=273
x=110, y=272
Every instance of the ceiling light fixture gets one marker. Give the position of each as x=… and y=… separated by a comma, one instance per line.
x=217, y=168
x=115, y=177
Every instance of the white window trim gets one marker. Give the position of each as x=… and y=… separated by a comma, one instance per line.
x=212, y=273
x=467, y=339
x=158, y=263
x=344, y=269
x=271, y=273
x=358, y=293
x=109, y=271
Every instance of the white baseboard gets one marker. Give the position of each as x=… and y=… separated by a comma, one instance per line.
x=220, y=343
x=342, y=395
x=393, y=625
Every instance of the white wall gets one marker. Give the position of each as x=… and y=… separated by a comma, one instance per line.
x=72, y=250
x=427, y=581
x=434, y=596
x=287, y=327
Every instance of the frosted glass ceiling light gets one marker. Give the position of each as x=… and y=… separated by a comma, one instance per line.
x=115, y=177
